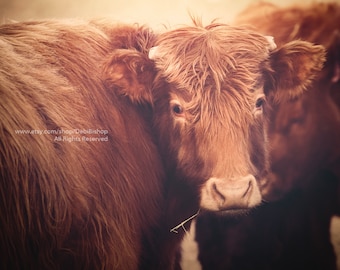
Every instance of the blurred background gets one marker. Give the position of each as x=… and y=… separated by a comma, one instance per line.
x=154, y=13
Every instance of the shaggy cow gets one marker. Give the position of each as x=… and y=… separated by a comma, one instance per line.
x=208, y=99
x=318, y=23
x=75, y=192
x=293, y=232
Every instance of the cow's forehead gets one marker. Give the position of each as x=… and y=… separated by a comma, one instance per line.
x=196, y=57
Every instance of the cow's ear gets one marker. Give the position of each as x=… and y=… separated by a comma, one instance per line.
x=333, y=66
x=130, y=73
x=333, y=56
x=292, y=69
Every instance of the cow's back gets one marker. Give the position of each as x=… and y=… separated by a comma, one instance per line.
x=79, y=195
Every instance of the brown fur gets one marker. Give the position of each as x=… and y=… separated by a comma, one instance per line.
x=292, y=232
x=318, y=23
x=211, y=132
x=72, y=205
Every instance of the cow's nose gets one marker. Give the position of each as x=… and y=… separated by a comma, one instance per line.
x=235, y=193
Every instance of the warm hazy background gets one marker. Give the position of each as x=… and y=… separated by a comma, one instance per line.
x=155, y=13
x=152, y=12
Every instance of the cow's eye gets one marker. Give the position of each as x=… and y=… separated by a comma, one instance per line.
x=259, y=102
x=177, y=109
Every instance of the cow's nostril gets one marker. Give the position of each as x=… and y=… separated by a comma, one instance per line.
x=218, y=195
x=248, y=190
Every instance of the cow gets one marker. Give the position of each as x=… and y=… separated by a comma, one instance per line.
x=300, y=23
x=292, y=231
x=208, y=99
x=75, y=192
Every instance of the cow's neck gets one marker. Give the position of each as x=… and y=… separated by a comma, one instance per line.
x=181, y=203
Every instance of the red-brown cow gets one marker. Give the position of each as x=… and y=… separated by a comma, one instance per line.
x=209, y=110
x=75, y=192
x=293, y=232
x=318, y=23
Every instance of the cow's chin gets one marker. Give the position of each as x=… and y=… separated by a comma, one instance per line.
x=231, y=213
x=230, y=196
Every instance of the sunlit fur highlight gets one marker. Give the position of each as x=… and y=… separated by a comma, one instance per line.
x=214, y=64
x=192, y=63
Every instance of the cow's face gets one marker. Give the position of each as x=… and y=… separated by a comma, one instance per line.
x=304, y=136
x=209, y=105
x=215, y=141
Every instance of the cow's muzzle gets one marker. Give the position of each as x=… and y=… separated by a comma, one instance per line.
x=220, y=194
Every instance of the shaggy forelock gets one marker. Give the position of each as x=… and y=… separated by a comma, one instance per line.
x=195, y=57
x=218, y=65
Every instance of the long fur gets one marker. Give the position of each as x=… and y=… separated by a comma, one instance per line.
x=215, y=74
x=72, y=204
x=292, y=232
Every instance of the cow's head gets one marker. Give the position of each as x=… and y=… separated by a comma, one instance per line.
x=304, y=132
x=208, y=94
